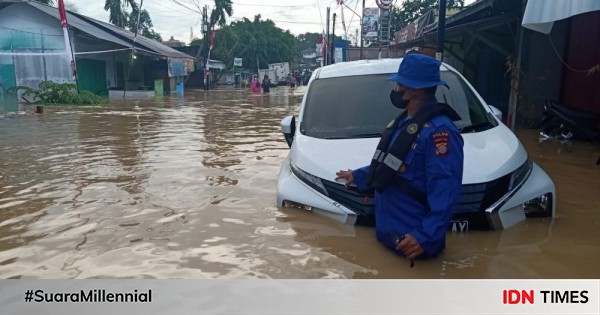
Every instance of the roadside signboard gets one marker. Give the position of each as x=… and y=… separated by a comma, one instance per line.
x=385, y=4
x=237, y=62
x=370, y=23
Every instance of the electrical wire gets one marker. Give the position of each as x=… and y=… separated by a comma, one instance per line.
x=590, y=70
x=321, y=15
x=183, y=5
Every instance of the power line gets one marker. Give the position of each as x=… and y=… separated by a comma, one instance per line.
x=270, y=5
x=321, y=15
x=183, y=5
x=295, y=22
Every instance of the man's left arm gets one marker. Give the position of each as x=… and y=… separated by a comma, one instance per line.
x=444, y=169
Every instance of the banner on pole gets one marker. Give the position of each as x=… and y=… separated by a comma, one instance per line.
x=370, y=23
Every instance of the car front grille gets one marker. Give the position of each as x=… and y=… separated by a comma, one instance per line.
x=363, y=204
x=472, y=202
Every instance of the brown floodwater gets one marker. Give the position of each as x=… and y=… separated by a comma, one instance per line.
x=186, y=188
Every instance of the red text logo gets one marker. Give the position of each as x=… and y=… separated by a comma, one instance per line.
x=516, y=296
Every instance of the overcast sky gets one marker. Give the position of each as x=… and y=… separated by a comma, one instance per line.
x=298, y=16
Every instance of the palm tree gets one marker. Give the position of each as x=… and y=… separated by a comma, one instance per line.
x=118, y=16
x=217, y=16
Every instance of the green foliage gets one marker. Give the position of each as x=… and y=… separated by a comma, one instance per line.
x=120, y=16
x=196, y=42
x=222, y=8
x=412, y=9
x=117, y=11
x=145, y=27
x=255, y=41
x=61, y=93
x=307, y=40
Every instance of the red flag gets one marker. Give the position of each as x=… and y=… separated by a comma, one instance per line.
x=63, y=14
x=65, y=27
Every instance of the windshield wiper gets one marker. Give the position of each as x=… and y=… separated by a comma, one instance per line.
x=477, y=127
x=361, y=135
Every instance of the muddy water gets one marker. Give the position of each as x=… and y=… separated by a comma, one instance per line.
x=185, y=188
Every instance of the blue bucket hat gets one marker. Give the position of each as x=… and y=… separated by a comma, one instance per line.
x=418, y=71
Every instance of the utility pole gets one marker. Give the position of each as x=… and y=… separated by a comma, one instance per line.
x=205, y=43
x=362, y=56
x=333, y=40
x=326, y=57
x=440, y=33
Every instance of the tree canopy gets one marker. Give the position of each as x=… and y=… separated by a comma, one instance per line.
x=145, y=27
x=255, y=41
x=120, y=16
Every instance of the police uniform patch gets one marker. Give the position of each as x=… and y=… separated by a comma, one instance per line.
x=412, y=128
x=425, y=125
x=441, y=139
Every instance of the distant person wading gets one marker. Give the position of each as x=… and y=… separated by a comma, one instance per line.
x=266, y=84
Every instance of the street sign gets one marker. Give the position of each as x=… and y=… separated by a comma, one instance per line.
x=384, y=4
x=237, y=62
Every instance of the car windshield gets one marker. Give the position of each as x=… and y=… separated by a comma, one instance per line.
x=360, y=107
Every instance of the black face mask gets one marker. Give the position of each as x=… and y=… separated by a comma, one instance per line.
x=396, y=98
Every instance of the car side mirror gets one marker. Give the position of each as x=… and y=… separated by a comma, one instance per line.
x=496, y=112
x=288, y=127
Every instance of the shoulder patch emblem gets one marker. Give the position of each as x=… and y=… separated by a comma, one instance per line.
x=441, y=139
x=412, y=128
x=391, y=123
x=425, y=125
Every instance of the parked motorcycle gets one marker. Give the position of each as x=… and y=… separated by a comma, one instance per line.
x=565, y=124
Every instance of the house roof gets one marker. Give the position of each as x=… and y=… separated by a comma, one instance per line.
x=111, y=33
x=481, y=14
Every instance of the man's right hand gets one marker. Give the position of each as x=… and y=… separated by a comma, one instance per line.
x=346, y=176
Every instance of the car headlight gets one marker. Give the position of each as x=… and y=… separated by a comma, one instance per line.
x=311, y=180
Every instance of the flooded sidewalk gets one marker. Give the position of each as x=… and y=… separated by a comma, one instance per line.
x=186, y=188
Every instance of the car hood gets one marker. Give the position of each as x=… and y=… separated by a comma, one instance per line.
x=488, y=154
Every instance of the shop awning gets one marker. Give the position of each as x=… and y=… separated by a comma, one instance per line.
x=541, y=14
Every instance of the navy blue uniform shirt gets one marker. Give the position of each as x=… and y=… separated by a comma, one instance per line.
x=434, y=166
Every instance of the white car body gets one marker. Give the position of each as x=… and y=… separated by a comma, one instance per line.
x=489, y=155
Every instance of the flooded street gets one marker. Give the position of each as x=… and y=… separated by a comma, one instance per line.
x=186, y=188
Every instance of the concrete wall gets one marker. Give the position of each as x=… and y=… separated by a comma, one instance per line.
x=371, y=53
x=83, y=44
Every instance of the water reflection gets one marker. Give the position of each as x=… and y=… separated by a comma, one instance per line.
x=184, y=187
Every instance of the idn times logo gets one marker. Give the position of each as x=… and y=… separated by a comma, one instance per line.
x=547, y=297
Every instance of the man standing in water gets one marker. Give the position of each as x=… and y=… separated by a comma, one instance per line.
x=266, y=84
x=418, y=165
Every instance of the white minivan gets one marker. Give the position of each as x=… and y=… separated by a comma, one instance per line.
x=346, y=107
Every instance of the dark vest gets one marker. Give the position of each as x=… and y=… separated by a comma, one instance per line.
x=385, y=163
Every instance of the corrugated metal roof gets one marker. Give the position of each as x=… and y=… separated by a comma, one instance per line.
x=111, y=33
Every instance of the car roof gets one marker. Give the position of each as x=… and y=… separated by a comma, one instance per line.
x=363, y=67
